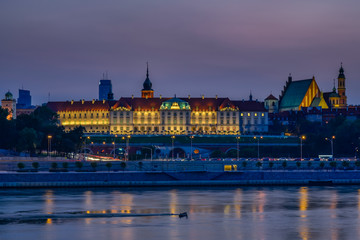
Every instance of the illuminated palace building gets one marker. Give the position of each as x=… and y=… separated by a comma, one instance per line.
x=158, y=115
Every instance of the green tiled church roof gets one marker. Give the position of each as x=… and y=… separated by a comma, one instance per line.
x=295, y=93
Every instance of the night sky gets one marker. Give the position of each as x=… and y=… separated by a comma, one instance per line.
x=193, y=47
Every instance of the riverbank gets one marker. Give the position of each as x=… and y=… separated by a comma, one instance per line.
x=175, y=178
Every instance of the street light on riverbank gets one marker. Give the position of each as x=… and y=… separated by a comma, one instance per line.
x=258, y=144
x=332, y=145
x=191, y=151
x=301, y=144
x=49, y=144
x=172, y=144
x=237, y=148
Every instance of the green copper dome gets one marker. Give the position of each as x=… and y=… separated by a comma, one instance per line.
x=8, y=96
x=175, y=104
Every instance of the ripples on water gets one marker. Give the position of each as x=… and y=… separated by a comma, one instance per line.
x=214, y=213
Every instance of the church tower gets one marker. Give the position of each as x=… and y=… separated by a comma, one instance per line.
x=341, y=88
x=147, y=91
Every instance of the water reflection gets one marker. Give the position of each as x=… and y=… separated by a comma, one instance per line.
x=237, y=202
x=49, y=201
x=238, y=213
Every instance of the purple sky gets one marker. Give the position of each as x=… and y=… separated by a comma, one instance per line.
x=193, y=47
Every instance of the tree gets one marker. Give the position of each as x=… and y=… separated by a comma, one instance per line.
x=284, y=164
x=271, y=165
x=345, y=164
x=79, y=165
x=54, y=165
x=298, y=164
x=309, y=164
x=140, y=164
x=21, y=165
x=333, y=165
x=244, y=164
x=123, y=165
x=28, y=140
x=93, y=165
x=258, y=164
x=7, y=130
x=108, y=165
x=357, y=164
x=65, y=165
x=322, y=165
x=35, y=165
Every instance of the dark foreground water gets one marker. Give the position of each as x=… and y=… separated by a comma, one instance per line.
x=214, y=213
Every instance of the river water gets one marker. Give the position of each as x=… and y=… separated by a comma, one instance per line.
x=214, y=213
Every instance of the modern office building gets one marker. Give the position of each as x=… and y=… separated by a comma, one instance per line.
x=105, y=89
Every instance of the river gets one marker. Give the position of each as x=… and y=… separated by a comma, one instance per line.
x=292, y=212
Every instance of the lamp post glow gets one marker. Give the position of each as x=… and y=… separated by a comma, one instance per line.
x=332, y=145
x=191, y=151
x=49, y=137
x=301, y=144
x=258, y=144
x=127, y=147
x=114, y=146
x=172, y=144
x=237, y=148
x=88, y=137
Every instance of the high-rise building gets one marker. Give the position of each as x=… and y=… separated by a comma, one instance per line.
x=105, y=89
x=24, y=99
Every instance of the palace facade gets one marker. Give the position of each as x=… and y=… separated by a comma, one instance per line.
x=163, y=116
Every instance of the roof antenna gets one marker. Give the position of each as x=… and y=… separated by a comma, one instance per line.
x=49, y=97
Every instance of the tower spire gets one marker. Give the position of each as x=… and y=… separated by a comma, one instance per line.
x=147, y=69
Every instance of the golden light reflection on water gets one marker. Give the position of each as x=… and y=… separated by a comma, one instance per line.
x=49, y=221
x=173, y=202
x=88, y=199
x=49, y=201
x=304, y=232
x=258, y=205
x=333, y=216
x=303, y=207
x=303, y=203
x=237, y=202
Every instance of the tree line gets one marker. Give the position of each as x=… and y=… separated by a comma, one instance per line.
x=32, y=133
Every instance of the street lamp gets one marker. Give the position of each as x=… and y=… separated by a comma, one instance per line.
x=191, y=151
x=301, y=144
x=332, y=145
x=88, y=137
x=127, y=147
x=258, y=144
x=237, y=148
x=114, y=145
x=150, y=152
x=172, y=144
x=49, y=144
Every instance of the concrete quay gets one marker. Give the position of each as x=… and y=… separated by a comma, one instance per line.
x=176, y=178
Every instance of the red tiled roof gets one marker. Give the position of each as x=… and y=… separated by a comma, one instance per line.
x=271, y=97
x=80, y=105
x=204, y=104
x=145, y=104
